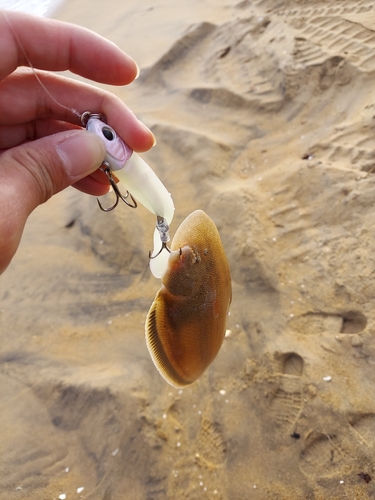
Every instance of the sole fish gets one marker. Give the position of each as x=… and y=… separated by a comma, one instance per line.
x=186, y=323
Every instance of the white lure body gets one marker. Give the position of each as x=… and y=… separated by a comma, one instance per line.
x=138, y=178
x=146, y=187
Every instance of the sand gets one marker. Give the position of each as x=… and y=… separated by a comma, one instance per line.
x=264, y=114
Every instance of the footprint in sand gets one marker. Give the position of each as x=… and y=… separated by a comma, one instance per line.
x=287, y=402
x=212, y=447
x=315, y=323
x=352, y=146
x=365, y=427
x=321, y=453
x=329, y=30
x=340, y=41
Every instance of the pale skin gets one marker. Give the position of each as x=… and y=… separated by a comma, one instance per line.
x=43, y=148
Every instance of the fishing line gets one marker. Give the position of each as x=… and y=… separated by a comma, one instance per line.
x=73, y=110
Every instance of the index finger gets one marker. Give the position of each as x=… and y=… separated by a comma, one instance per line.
x=57, y=46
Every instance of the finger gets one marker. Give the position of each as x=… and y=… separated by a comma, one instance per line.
x=95, y=184
x=91, y=185
x=34, y=101
x=14, y=135
x=33, y=172
x=58, y=46
x=39, y=169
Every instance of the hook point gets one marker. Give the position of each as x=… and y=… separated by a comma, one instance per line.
x=107, y=170
x=163, y=245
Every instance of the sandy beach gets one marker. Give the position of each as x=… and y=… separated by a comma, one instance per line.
x=265, y=119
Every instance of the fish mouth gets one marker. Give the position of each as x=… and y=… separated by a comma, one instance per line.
x=195, y=255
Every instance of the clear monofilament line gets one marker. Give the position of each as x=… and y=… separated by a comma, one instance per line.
x=73, y=110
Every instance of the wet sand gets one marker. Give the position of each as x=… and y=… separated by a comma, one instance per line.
x=264, y=116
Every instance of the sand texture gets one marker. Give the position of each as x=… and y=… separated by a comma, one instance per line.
x=265, y=119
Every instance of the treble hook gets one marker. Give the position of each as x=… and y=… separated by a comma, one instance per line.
x=108, y=172
x=163, y=228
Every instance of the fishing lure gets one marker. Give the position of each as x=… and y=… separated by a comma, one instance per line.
x=186, y=323
x=130, y=169
x=121, y=163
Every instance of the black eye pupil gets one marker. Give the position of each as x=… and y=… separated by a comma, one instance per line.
x=108, y=134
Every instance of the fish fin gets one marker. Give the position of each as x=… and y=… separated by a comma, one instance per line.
x=157, y=351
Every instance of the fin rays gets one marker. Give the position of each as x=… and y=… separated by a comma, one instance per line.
x=157, y=352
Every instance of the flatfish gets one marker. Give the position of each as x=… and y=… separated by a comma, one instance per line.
x=186, y=323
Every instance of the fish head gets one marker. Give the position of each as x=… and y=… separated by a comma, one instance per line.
x=185, y=271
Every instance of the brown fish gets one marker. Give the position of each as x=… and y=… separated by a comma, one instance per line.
x=186, y=323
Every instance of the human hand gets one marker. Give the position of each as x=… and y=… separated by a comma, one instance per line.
x=43, y=148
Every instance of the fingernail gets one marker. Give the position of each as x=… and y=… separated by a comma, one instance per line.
x=81, y=152
x=138, y=71
x=146, y=129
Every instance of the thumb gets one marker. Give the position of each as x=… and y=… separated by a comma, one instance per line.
x=39, y=169
x=31, y=173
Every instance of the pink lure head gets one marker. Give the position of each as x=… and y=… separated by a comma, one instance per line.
x=118, y=153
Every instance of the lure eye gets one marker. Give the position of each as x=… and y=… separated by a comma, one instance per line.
x=118, y=153
x=108, y=133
